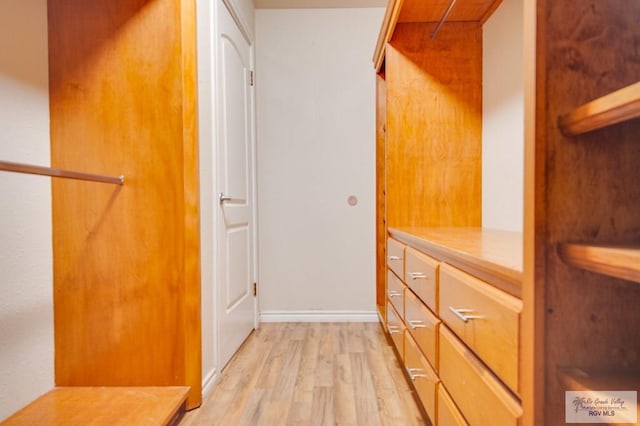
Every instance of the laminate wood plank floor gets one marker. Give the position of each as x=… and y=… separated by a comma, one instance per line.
x=311, y=374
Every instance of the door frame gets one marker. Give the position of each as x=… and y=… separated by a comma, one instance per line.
x=207, y=13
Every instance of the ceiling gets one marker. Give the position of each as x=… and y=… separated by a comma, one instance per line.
x=317, y=4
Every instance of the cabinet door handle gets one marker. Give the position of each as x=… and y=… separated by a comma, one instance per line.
x=394, y=293
x=418, y=276
x=393, y=329
x=416, y=373
x=394, y=258
x=462, y=314
x=417, y=324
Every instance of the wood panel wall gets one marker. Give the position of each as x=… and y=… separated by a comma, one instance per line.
x=434, y=125
x=126, y=259
x=588, y=189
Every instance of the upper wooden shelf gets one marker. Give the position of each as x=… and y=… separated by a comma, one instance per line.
x=616, y=107
x=620, y=261
x=402, y=11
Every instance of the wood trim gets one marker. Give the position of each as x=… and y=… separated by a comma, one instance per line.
x=620, y=261
x=192, y=306
x=613, y=108
x=532, y=335
x=381, y=229
x=386, y=31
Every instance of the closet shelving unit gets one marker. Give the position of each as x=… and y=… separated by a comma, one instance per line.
x=617, y=260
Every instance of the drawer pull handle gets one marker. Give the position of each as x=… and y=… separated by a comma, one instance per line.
x=416, y=373
x=417, y=324
x=393, y=329
x=394, y=293
x=462, y=314
x=418, y=276
x=394, y=258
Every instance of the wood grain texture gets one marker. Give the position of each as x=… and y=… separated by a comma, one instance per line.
x=432, y=11
x=613, y=108
x=448, y=413
x=471, y=385
x=123, y=406
x=616, y=261
x=311, y=374
x=423, y=326
x=381, y=228
x=492, y=255
x=126, y=286
x=421, y=275
x=434, y=120
x=590, y=187
x=414, y=11
x=532, y=365
x=191, y=185
x=494, y=337
x=424, y=379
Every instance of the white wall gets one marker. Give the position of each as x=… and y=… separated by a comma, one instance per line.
x=26, y=275
x=503, y=119
x=316, y=147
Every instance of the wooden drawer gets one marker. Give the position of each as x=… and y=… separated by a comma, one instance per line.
x=395, y=328
x=448, y=413
x=424, y=378
x=395, y=292
x=480, y=396
x=483, y=317
x=395, y=256
x=423, y=326
x=421, y=275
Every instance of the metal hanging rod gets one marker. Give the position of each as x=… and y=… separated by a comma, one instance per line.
x=444, y=17
x=61, y=173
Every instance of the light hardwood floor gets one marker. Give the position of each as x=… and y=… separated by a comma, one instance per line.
x=311, y=374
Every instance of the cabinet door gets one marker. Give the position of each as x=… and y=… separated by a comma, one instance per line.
x=423, y=326
x=395, y=256
x=424, y=378
x=395, y=328
x=448, y=413
x=421, y=275
x=395, y=292
x=481, y=397
x=484, y=318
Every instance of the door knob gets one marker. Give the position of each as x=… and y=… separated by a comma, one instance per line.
x=222, y=198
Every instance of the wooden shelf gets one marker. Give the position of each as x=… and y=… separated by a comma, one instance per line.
x=404, y=11
x=620, y=261
x=579, y=379
x=104, y=406
x=600, y=383
x=616, y=107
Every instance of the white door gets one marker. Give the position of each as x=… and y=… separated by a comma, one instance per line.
x=235, y=183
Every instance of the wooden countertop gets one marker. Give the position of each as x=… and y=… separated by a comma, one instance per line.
x=495, y=256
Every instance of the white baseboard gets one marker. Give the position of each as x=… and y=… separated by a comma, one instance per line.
x=208, y=382
x=319, y=316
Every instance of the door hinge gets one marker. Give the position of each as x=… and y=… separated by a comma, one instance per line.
x=255, y=289
x=251, y=78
